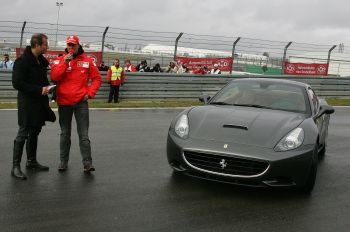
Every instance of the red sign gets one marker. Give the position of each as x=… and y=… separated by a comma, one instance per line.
x=302, y=69
x=53, y=55
x=225, y=64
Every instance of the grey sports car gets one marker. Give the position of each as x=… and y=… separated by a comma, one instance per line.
x=256, y=132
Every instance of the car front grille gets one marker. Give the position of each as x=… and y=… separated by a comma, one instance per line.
x=227, y=165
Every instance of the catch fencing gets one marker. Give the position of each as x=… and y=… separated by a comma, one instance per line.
x=249, y=54
x=164, y=86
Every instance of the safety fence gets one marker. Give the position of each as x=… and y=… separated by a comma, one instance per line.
x=174, y=86
x=249, y=54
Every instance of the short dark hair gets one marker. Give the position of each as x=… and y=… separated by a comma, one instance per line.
x=37, y=39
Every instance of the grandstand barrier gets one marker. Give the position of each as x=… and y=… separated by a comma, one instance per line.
x=164, y=86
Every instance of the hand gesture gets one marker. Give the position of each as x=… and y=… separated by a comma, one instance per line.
x=45, y=90
x=67, y=58
x=86, y=97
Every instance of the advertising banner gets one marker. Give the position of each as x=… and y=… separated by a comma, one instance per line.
x=225, y=64
x=302, y=69
x=52, y=55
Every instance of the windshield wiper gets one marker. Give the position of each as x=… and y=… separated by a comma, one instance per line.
x=219, y=103
x=253, y=105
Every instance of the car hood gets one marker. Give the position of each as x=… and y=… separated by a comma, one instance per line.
x=244, y=125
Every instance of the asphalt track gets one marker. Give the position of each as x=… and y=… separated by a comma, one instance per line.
x=133, y=188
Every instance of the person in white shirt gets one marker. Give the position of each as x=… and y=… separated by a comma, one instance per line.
x=6, y=63
x=215, y=70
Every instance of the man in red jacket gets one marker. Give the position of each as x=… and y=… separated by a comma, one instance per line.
x=129, y=67
x=72, y=73
x=115, y=77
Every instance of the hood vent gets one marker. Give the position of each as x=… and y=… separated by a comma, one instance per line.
x=235, y=126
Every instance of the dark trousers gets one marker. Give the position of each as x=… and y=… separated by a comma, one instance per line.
x=113, y=91
x=28, y=135
x=81, y=114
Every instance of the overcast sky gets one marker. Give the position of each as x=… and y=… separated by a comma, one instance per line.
x=305, y=21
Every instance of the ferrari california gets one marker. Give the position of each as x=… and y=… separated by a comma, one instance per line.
x=256, y=132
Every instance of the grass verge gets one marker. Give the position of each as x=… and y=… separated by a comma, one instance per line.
x=158, y=103
x=124, y=104
x=338, y=101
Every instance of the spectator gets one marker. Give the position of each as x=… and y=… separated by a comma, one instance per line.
x=215, y=70
x=103, y=67
x=200, y=70
x=78, y=80
x=172, y=68
x=142, y=67
x=6, y=63
x=157, y=68
x=206, y=70
x=183, y=69
x=187, y=70
x=129, y=67
x=29, y=77
x=115, y=78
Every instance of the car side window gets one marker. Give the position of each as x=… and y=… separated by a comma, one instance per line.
x=314, y=99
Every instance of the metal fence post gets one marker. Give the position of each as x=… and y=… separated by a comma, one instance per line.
x=284, y=55
x=233, y=51
x=329, y=57
x=176, y=42
x=21, y=41
x=103, y=42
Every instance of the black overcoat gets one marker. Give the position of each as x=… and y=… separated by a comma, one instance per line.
x=28, y=77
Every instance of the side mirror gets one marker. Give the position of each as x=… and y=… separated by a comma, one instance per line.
x=204, y=98
x=324, y=109
x=327, y=109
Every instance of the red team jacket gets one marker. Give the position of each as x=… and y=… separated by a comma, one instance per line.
x=73, y=79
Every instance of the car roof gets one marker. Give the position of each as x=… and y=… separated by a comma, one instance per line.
x=273, y=80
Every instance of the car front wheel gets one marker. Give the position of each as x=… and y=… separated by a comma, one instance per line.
x=311, y=179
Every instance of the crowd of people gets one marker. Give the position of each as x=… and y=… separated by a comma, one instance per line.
x=116, y=74
x=173, y=67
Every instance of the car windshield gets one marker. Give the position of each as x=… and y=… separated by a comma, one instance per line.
x=262, y=94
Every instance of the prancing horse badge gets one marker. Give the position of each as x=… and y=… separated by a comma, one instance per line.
x=225, y=146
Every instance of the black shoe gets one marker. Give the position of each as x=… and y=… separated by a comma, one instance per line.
x=88, y=168
x=34, y=165
x=16, y=172
x=63, y=166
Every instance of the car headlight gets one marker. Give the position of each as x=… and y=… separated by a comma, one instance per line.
x=181, y=127
x=291, y=141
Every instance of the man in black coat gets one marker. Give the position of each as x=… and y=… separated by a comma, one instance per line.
x=29, y=77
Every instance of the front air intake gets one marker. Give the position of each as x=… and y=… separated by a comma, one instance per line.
x=225, y=165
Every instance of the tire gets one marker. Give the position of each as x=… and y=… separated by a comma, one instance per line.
x=311, y=179
x=322, y=152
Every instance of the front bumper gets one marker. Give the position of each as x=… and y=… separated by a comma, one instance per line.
x=283, y=169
